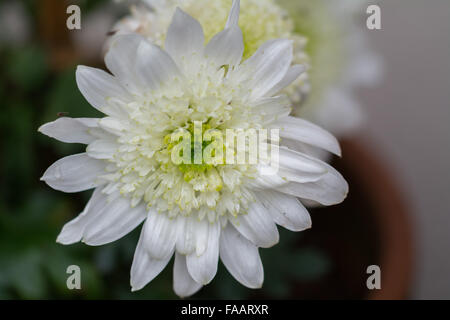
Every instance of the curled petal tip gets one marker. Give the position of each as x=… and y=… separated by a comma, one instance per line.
x=233, y=18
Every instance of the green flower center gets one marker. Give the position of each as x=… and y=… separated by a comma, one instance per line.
x=201, y=147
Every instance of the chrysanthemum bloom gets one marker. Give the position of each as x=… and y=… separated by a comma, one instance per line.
x=197, y=212
x=260, y=21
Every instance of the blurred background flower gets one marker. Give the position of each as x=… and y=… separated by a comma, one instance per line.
x=396, y=187
x=341, y=61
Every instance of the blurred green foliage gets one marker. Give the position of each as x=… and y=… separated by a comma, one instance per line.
x=32, y=264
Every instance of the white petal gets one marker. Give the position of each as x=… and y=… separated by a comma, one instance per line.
x=192, y=235
x=306, y=149
x=121, y=60
x=113, y=221
x=293, y=73
x=226, y=47
x=72, y=231
x=201, y=235
x=257, y=226
x=183, y=284
x=264, y=180
x=268, y=66
x=241, y=258
x=203, y=267
x=186, y=236
x=160, y=234
x=104, y=220
x=98, y=88
x=154, y=66
x=145, y=268
x=287, y=211
x=329, y=190
x=102, y=149
x=184, y=37
x=70, y=130
x=298, y=167
x=233, y=17
x=273, y=108
x=74, y=173
x=303, y=131
x=113, y=125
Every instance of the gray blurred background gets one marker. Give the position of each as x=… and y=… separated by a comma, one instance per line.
x=410, y=127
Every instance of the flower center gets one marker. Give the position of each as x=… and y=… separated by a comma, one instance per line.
x=194, y=151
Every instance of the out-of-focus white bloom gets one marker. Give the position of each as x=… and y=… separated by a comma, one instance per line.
x=196, y=212
x=15, y=25
x=260, y=21
x=95, y=27
x=341, y=60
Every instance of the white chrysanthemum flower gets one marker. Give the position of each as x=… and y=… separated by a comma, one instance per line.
x=341, y=60
x=260, y=21
x=195, y=212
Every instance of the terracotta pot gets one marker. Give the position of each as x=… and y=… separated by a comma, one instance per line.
x=370, y=227
x=391, y=217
